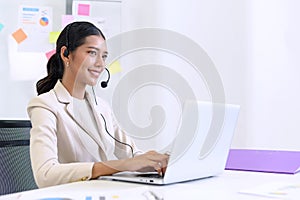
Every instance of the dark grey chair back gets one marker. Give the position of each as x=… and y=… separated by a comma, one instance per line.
x=15, y=167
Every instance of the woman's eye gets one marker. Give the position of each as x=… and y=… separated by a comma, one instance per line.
x=93, y=53
x=104, y=57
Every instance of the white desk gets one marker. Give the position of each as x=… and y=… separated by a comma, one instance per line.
x=226, y=187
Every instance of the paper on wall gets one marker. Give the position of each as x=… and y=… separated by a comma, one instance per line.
x=36, y=22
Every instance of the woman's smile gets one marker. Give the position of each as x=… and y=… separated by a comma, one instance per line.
x=95, y=73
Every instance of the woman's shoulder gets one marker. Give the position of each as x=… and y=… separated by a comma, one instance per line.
x=43, y=100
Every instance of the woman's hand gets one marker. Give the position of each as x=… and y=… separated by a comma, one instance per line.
x=150, y=161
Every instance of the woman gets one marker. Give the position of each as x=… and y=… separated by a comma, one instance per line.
x=74, y=136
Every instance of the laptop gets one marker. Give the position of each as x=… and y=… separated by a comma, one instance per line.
x=200, y=148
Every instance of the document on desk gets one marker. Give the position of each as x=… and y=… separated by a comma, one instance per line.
x=279, y=190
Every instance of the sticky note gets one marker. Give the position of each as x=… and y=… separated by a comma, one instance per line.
x=115, y=67
x=84, y=9
x=50, y=53
x=19, y=36
x=1, y=26
x=53, y=37
x=66, y=19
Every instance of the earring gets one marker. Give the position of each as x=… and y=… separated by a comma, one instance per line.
x=67, y=64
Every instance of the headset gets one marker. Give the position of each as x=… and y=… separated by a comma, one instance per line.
x=66, y=52
x=103, y=85
x=105, y=126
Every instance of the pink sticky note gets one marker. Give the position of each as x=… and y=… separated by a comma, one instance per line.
x=50, y=53
x=66, y=19
x=84, y=9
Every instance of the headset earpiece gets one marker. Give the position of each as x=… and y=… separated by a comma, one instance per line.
x=66, y=53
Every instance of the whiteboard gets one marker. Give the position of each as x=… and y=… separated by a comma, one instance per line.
x=21, y=68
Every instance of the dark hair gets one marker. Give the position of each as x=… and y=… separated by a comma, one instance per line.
x=72, y=36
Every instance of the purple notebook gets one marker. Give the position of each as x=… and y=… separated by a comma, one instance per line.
x=287, y=162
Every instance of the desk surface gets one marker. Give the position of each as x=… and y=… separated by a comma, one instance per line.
x=227, y=186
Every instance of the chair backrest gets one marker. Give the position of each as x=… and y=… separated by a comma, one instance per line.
x=15, y=166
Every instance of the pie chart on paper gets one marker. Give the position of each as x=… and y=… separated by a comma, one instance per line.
x=44, y=21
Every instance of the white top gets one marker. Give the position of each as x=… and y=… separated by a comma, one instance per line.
x=84, y=113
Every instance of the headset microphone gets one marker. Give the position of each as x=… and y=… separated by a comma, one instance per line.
x=104, y=83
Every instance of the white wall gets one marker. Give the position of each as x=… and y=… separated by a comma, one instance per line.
x=16, y=93
x=274, y=75
x=254, y=45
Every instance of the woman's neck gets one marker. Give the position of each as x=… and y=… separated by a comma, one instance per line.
x=76, y=90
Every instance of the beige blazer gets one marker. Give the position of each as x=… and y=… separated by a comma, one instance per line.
x=58, y=154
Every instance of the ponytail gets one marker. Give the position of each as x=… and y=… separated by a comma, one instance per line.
x=55, y=70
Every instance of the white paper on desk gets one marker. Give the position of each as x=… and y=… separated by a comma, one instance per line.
x=279, y=190
x=140, y=193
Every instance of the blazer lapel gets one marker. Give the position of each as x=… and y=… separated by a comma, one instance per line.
x=63, y=96
x=70, y=110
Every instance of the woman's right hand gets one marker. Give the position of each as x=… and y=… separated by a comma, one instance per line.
x=149, y=161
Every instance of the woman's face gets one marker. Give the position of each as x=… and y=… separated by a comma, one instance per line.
x=88, y=61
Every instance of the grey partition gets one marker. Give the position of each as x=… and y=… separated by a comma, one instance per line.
x=15, y=167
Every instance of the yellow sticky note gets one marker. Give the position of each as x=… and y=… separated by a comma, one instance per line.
x=115, y=67
x=53, y=37
x=19, y=35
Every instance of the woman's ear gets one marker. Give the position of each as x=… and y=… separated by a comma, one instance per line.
x=64, y=54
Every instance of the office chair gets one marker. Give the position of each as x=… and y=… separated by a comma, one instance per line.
x=15, y=166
